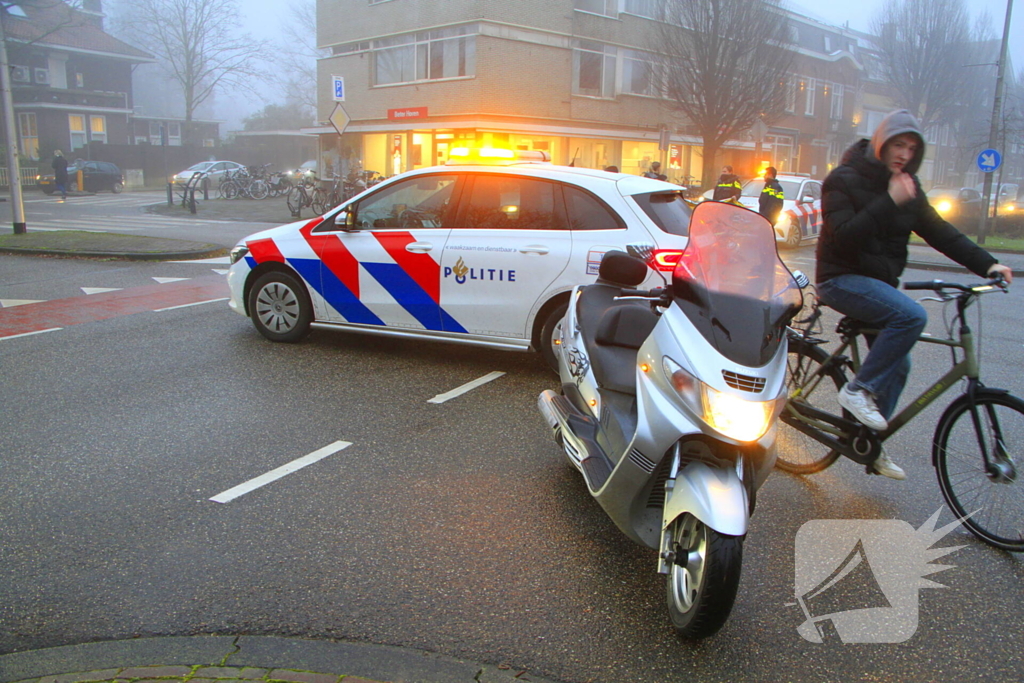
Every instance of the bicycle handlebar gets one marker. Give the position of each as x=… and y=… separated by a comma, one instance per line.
x=939, y=285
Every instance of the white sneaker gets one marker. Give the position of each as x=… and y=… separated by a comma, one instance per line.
x=887, y=468
x=860, y=403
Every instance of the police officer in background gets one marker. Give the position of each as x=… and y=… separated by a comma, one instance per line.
x=769, y=204
x=728, y=186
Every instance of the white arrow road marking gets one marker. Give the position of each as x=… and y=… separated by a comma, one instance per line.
x=99, y=290
x=469, y=386
x=10, y=303
x=283, y=470
x=165, y=280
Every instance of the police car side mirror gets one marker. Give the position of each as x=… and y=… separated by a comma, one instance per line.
x=806, y=199
x=344, y=220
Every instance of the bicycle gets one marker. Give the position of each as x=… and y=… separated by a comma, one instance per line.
x=976, y=449
x=326, y=199
x=301, y=194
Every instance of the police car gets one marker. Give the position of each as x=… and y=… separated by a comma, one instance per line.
x=484, y=250
x=800, y=219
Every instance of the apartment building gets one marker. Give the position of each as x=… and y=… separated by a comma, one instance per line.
x=571, y=77
x=70, y=80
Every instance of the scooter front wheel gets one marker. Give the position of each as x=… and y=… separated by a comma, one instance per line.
x=703, y=578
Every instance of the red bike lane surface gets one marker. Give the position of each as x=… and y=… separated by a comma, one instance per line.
x=59, y=313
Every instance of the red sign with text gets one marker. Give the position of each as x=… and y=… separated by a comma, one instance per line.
x=407, y=113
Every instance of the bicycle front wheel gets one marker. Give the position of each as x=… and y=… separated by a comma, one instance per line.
x=810, y=382
x=992, y=495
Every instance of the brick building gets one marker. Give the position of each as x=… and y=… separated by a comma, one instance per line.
x=570, y=77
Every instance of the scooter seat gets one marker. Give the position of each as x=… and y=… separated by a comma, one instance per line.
x=613, y=331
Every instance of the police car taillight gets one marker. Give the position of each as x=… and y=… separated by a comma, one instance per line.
x=665, y=259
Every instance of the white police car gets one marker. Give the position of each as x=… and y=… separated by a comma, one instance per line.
x=484, y=250
x=800, y=219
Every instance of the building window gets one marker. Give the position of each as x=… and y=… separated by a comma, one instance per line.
x=29, y=135
x=809, y=97
x=426, y=56
x=606, y=8
x=174, y=134
x=651, y=9
x=836, y=112
x=593, y=69
x=98, y=128
x=792, y=87
x=640, y=74
x=79, y=80
x=76, y=123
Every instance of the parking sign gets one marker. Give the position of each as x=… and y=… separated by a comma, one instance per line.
x=339, y=88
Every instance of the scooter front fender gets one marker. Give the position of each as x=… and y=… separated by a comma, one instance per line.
x=716, y=496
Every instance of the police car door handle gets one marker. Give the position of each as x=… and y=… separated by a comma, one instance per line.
x=534, y=249
x=419, y=247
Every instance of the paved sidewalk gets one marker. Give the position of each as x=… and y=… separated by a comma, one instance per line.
x=245, y=659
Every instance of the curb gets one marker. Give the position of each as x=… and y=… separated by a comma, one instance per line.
x=243, y=659
x=120, y=255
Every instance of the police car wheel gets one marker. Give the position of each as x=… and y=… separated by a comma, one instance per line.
x=280, y=307
x=551, y=333
x=792, y=237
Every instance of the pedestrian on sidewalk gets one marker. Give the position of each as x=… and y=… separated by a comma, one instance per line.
x=870, y=204
x=60, y=173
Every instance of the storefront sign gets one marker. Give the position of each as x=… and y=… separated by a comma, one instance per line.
x=407, y=113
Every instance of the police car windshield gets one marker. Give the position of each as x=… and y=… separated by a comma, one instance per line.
x=668, y=210
x=754, y=187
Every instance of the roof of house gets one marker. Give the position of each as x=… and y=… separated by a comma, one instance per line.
x=60, y=26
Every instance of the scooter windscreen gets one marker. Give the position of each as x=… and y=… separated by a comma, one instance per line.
x=732, y=285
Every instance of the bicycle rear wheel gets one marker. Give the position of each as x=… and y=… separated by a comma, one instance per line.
x=995, y=497
x=810, y=382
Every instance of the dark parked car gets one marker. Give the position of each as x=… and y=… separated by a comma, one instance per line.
x=97, y=176
x=961, y=207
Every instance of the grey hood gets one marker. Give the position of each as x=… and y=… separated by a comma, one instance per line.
x=896, y=123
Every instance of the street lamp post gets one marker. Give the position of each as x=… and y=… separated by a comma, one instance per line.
x=993, y=135
x=11, y=133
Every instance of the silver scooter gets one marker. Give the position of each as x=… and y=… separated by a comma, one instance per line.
x=670, y=396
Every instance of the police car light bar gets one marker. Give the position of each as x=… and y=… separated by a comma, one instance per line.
x=493, y=155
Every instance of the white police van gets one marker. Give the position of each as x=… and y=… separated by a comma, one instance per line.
x=484, y=250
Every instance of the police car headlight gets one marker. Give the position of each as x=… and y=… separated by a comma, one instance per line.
x=783, y=224
x=944, y=207
x=238, y=253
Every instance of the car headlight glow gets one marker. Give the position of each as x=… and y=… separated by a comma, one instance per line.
x=734, y=417
x=944, y=206
x=238, y=252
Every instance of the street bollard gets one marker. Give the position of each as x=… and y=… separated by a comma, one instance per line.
x=170, y=195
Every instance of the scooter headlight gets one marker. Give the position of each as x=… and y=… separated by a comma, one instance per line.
x=736, y=418
x=727, y=414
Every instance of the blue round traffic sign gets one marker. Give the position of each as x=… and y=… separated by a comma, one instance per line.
x=989, y=160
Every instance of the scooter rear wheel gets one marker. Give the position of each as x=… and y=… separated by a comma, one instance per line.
x=703, y=579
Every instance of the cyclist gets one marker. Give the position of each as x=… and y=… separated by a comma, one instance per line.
x=870, y=204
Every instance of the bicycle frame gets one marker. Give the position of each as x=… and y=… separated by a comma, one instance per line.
x=852, y=439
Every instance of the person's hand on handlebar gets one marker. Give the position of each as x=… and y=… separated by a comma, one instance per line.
x=998, y=270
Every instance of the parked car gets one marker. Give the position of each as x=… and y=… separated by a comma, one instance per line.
x=800, y=218
x=482, y=251
x=214, y=170
x=1008, y=201
x=97, y=176
x=961, y=207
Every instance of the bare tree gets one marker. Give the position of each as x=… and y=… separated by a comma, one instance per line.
x=294, y=65
x=726, y=65
x=923, y=46
x=198, y=42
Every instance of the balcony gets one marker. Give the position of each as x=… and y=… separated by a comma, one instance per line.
x=59, y=97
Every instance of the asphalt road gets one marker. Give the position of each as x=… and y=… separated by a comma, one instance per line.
x=454, y=527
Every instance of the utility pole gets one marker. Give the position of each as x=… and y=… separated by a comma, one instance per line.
x=993, y=135
x=11, y=133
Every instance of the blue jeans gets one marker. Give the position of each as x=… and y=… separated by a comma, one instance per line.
x=901, y=320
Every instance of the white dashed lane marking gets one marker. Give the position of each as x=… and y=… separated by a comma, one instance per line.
x=282, y=471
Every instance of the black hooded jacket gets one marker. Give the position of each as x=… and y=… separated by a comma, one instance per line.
x=866, y=233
